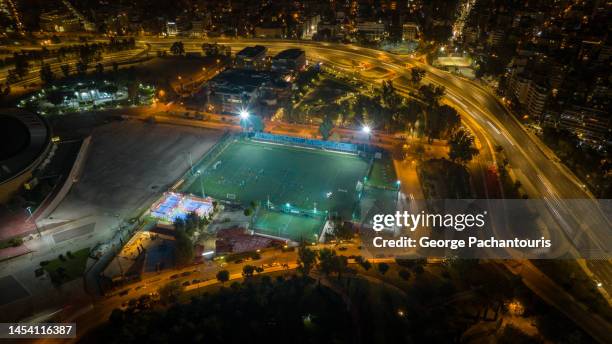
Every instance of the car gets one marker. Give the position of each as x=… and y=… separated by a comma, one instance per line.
x=195, y=281
x=186, y=273
x=342, y=248
x=124, y=292
x=186, y=283
x=175, y=276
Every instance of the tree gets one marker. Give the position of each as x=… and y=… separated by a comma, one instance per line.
x=5, y=91
x=326, y=127
x=81, y=67
x=248, y=270
x=511, y=334
x=404, y=274
x=417, y=74
x=65, y=70
x=132, y=90
x=99, y=69
x=461, y=147
x=170, y=292
x=431, y=94
x=223, y=276
x=383, y=268
x=326, y=260
x=342, y=230
x=177, y=48
x=365, y=264
x=419, y=270
x=46, y=74
x=307, y=258
x=184, y=248
x=115, y=67
x=22, y=66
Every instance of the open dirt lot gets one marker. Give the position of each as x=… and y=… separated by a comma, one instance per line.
x=129, y=164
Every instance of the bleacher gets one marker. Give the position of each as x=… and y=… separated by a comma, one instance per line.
x=300, y=141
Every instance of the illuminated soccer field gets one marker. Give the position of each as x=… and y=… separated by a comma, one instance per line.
x=288, y=176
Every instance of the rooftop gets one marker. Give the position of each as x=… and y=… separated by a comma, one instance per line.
x=27, y=135
x=251, y=52
x=241, y=79
x=289, y=54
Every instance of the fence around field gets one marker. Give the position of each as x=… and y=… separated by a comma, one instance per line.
x=207, y=159
x=300, y=141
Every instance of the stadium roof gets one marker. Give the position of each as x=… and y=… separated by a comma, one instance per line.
x=25, y=137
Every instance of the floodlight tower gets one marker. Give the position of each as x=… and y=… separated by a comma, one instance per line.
x=368, y=131
x=244, y=119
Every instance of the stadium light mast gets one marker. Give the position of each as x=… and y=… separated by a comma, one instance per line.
x=368, y=131
x=244, y=117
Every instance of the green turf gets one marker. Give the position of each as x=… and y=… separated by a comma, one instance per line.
x=290, y=226
x=249, y=171
x=383, y=174
x=73, y=267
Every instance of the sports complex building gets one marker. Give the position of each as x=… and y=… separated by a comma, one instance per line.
x=26, y=138
x=296, y=182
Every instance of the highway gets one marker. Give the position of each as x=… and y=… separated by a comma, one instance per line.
x=572, y=206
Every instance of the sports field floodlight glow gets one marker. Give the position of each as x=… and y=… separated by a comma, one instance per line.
x=366, y=129
x=288, y=205
x=244, y=114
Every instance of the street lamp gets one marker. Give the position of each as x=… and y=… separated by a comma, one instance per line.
x=244, y=114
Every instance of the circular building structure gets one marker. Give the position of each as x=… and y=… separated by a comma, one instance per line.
x=25, y=139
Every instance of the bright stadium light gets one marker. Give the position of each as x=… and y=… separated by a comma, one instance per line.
x=244, y=114
x=366, y=129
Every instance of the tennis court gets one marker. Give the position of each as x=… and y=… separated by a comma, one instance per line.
x=285, y=176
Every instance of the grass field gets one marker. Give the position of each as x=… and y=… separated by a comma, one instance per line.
x=383, y=174
x=248, y=171
x=68, y=269
x=294, y=227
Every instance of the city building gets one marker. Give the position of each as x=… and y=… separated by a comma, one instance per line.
x=26, y=142
x=269, y=32
x=290, y=60
x=57, y=21
x=372, y=30
x=531, y=94
x=234, y=90
x=310, y=26
x=252, y=57
x=197, y=28
x=171, y=29
x=589, y=124
x=410, y=31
